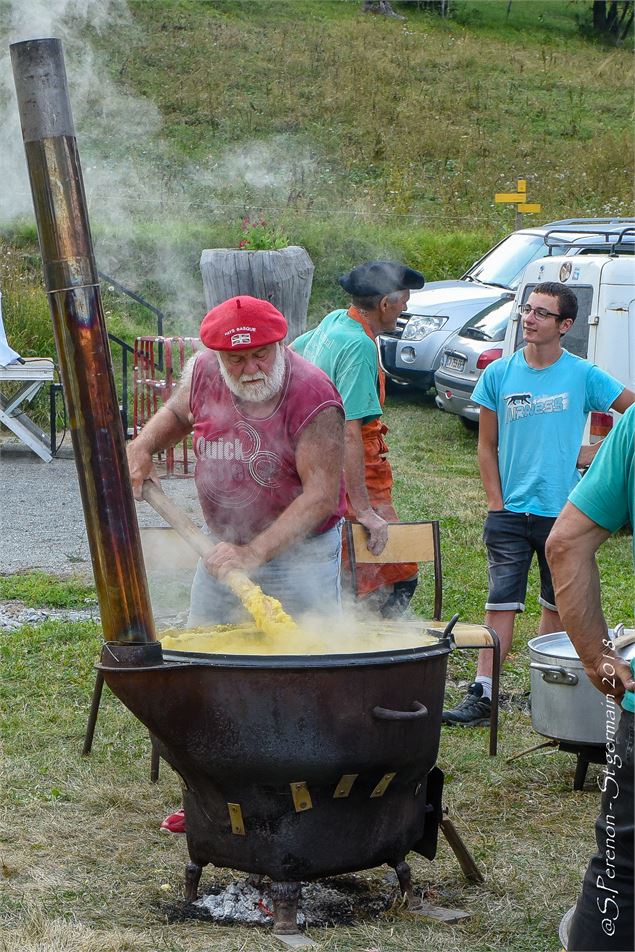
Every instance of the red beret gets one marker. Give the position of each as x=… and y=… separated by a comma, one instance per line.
x=242, y=322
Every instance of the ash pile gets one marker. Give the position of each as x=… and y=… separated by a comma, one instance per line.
x=342, y=900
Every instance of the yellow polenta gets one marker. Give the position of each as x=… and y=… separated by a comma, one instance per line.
x=266, y=611
x=334, y=637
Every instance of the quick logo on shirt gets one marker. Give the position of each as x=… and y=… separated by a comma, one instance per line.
x=522, y=405
x=243, y=466
x=219, y=449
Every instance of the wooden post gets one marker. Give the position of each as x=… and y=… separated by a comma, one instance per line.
x=283, y=277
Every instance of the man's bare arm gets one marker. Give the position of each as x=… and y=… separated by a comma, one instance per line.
x=571, y=549
x=488, y=458
x=319, y=462
x=624, y=401
x=588, y=451
x=355, y=474
x=170, y=424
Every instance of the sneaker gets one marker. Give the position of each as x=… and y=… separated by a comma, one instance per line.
x=565, y=928
x=473, y=710
x=174, y=823
x=399, y=599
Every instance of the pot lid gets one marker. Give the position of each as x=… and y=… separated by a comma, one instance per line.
x=558, y=645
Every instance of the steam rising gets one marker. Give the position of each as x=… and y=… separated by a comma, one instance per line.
x=135, y=185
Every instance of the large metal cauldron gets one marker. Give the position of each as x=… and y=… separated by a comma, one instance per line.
x=294, y=767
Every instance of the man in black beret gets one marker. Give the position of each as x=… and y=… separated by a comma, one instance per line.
x=344, y=346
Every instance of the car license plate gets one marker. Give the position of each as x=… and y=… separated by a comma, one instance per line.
x=454, y=363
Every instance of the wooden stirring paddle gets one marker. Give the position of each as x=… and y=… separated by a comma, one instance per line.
x=267, y=612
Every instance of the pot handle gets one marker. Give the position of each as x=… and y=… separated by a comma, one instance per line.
x=386, y=714
x=554, y=674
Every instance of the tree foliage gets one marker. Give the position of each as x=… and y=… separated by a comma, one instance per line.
x=613, y=18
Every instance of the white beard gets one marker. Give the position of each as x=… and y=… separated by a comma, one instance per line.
x=268, y=386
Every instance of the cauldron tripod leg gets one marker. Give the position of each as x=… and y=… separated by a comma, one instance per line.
x=192, y=879
x=460, y=850
x=404, y=875
x=285, y=907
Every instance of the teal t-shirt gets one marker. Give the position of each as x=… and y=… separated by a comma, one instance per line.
x=541, y=418
x=606, y=494
x=342, y=349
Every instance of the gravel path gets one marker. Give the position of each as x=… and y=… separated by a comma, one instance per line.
x=41, y=517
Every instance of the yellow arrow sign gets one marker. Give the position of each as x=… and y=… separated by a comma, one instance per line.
x=529, y=207
x=510, y=196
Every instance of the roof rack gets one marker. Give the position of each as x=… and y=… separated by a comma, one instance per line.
x=593, y=221
x=613, y=236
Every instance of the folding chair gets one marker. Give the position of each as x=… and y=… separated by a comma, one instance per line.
x=407, y=542
x=30, y=376
x=420, y=542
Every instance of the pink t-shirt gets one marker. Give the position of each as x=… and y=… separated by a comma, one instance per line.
x=245, y=467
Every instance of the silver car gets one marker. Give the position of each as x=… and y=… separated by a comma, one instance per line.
x=466, y=354
x=412, y=353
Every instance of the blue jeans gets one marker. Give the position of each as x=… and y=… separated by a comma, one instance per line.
x=304, y=578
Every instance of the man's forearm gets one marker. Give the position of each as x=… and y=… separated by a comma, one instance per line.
x=490, y=476
x=576, y=581
x=299, y=520
x=571, y=549
x=488, y=458
x=164, y=429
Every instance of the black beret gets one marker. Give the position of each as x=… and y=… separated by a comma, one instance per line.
x=381, y=277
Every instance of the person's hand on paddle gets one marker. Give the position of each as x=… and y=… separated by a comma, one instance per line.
x=140, y=467
x=226, y=558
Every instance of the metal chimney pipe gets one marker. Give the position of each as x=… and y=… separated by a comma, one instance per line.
x=70, y=276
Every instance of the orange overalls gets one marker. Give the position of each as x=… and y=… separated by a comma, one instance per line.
x=379, y=481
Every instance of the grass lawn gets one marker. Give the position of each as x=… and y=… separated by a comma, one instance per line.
x=85, y=869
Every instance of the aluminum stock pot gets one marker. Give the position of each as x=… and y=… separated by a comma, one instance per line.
x=564, y=703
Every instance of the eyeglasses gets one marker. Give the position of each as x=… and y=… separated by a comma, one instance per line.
x=540, y=312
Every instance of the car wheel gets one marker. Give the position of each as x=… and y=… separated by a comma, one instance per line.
x=471, y=425
x=397, y=386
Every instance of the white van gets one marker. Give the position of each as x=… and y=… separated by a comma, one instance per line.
x=604, y=330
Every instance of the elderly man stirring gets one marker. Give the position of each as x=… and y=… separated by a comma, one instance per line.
x=344, y=346
x=268, y=439
x=267, y=430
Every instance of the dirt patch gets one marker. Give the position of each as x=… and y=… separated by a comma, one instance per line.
x=14, y=614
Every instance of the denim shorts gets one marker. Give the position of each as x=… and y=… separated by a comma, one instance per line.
x=511, y=539
x=305, y=578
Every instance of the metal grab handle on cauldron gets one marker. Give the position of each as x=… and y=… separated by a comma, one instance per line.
x=386, y=714
x=554, y=674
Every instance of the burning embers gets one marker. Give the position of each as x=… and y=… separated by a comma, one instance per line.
x=344, y=900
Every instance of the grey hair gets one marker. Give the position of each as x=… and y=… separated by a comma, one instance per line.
x=371, y=302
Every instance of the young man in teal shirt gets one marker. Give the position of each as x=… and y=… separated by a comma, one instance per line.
x=534, y=406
